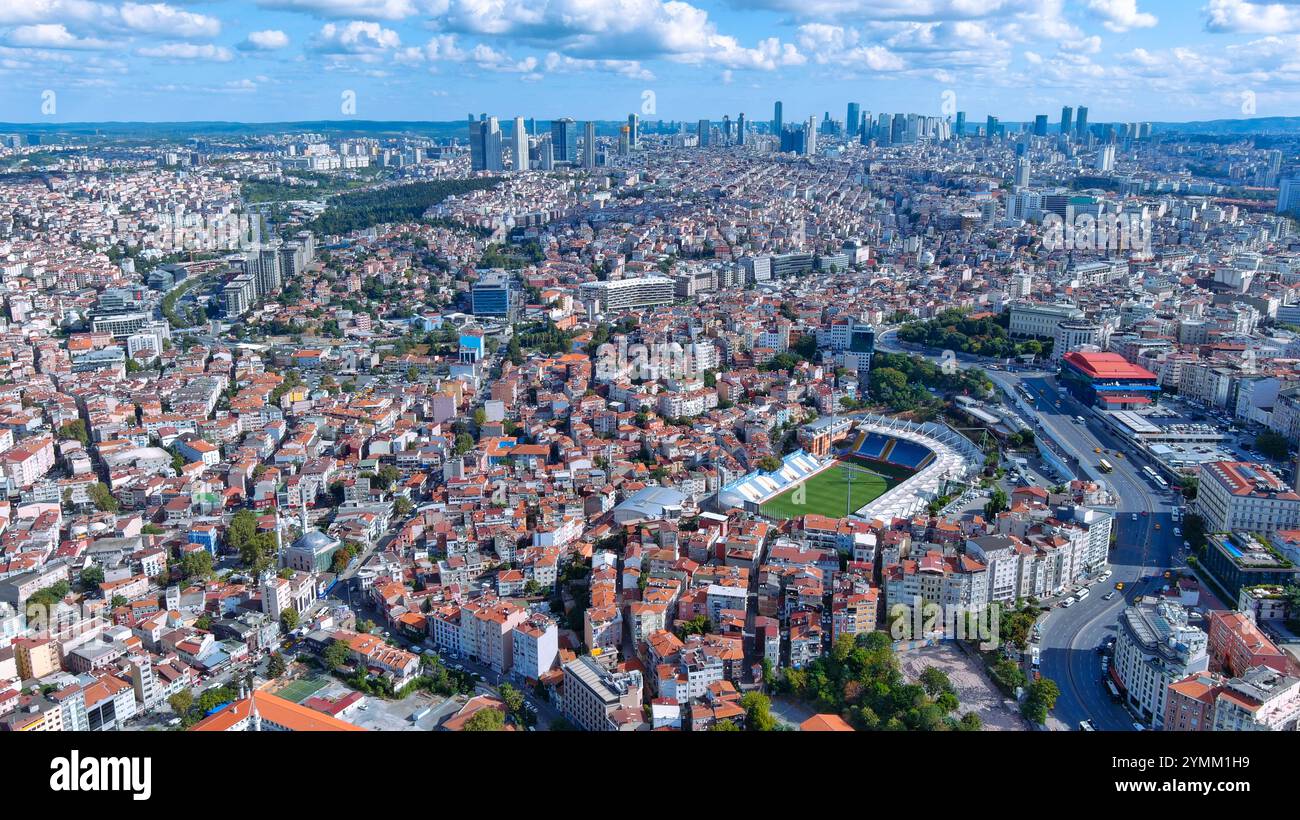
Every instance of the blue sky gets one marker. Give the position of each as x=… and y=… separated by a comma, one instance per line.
x=263, y=60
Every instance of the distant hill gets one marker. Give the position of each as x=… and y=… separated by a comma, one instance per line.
x=236, y=129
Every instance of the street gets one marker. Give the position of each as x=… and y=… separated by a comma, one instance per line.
x=1070, y=636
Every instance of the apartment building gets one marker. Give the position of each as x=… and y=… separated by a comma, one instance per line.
x=1155, y=647
x=1239, y=495
x=599, y=700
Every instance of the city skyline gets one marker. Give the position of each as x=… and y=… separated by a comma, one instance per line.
x=422, y=60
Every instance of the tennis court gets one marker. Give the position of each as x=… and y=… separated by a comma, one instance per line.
x=299, y=690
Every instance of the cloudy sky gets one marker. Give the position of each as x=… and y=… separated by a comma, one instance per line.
x=265, y=60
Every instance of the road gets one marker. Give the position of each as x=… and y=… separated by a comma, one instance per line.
x=1145, y=547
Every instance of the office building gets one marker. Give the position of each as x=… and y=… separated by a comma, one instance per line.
x=1067, y=120
x=519, y=145
x=626, y=294
x=853, y=121
x=1040, y=125
x=589, y=145
x=1288, y=195
x=1156, y=647
x=564, y=140
x=777, y=122
x=485, y=144
x=598, y=700
x=702, y=132
x=492, y=295
x=634, y=131
x=1081, y=123
x=1240, y=496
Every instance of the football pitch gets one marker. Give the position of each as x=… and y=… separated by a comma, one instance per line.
x=827, y=493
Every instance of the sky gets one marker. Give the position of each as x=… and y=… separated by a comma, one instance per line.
x=282, y=60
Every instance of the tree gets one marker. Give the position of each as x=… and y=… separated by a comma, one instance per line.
x=514, y=701
x=1273, y=445
x=275, y=665
x=75, y=431
x=996, y=504
x=487, y=719
x=91, y=576
x=289, y=619
x=336, y=654
x=1040, y=698
x=181, y=702
x=197, y=564
x=403, y=506
x=935, y=681
x=387, y=477
x=758, y=712
x=724, y=726
x=102, y=497
x=243, y=526
x=769, y=464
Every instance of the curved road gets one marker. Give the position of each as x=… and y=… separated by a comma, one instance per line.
x=1145, y=547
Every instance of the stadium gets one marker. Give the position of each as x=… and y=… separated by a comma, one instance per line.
x=883, y=468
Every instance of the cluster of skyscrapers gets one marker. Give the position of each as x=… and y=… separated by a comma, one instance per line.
x=531, y=150
x=562, y=146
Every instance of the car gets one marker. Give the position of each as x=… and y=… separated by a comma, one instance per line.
x=1086, y=726
x=1157, y=525
x=1177, y=531
x=1138, y=727
x=1096, y=449
x=1069, y=602
x=1108, y=595
x=1135, y=516
x=1119, y=585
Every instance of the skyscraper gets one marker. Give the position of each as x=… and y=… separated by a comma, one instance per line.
x=992, y=127
x=564, y=140
x=519, y=143
x=853, y=121
x=589, y=145
x=633, y=132
x=810, y=138
x=960, y=128
x=1081, y=127
x=777, y=122
x=740, y=129
x=702, y=131
x=1040, y=125
x=485, y=144
x=1067, y=120
x=726, y=128
x=1022, y=172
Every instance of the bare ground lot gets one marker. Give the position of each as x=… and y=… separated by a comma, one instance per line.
x=975, y=691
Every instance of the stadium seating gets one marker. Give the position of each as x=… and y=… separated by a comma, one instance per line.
x=907, y=454
x=873, y=446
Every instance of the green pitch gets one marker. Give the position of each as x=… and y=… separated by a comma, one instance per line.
x=827, y=493
x=300, y=690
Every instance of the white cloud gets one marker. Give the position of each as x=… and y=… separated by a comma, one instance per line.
x=1121, y=15
x=165, y=21
x=268, y=40
x=1239, y=16
x=357, y=37
x=632, y=69
x=53, y=35
x=186, y=51
x=388, y=10
x=627, y=29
